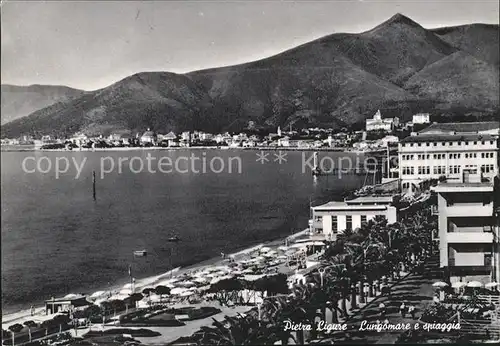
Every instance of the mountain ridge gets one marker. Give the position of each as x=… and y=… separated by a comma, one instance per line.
x=337, y=80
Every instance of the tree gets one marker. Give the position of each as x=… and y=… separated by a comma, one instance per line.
x=162, y=291
x=16, y=328
x=117, y=305
x=148, y=291
x=240, y=330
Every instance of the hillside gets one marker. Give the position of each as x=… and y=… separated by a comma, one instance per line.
x=163, y=100
x=338, y=80
x=20, y=101
x=479, y=40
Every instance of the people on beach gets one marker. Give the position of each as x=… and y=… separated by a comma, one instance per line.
x=381, y=307
x=402, y=310
x=411, y=310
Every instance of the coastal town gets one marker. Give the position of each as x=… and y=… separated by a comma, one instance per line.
x=378, y=132
x=420, y=246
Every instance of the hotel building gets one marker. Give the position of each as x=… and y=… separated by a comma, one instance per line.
x=377, y=123
x=333, y=218
x=447, y=150
x=469, y=229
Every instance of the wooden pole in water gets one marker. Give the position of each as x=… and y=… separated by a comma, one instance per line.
x=93, y=185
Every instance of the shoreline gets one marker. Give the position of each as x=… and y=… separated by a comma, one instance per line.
x=266, y=148
x=12, y=317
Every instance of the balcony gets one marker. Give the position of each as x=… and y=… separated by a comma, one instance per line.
x=469, y=237
x=469, y=210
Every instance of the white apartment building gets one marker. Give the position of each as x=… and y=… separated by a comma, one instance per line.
x=468, y=229
x=333, y=218
x=447, y=150
x=421, y=118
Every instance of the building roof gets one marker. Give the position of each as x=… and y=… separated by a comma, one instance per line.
x=73, y=298
x=149, y=134
x=437, y=137
x=343, y=206
x=170, y=135
x=471, y=127
x=464, y=187
x=371, y=200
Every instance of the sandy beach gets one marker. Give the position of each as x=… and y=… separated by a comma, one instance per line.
x=152, y=281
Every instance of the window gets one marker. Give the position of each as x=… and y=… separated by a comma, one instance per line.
x=419, y=144
x=363, y=219
x=408, y=170
x=475, y=142
x=451, y=143
x=487, y=168
x=487, y=259
x=435, y=144
x=334, y=224
x=454, y=169
x=439, y=170
x=348, y=222
x=483, y=143
x=427, y=144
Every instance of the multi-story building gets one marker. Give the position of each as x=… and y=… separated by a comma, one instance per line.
x=333, y=218
x=377, y=123
x=421, y=118
x=468, y=229
x=446, y=150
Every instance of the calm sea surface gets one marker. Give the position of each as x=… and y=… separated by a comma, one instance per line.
x=56, y=240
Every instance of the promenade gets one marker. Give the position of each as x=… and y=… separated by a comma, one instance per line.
x=415, y=289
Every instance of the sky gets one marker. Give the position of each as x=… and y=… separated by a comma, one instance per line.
x=90, y=45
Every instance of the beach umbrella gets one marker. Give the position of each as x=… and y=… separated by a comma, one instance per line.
x=97, y=294
x=187, y=283
x=186, y=293
x=458, y=284
x=492, y=284
x=474, y=284
x=265, y=249
x=439, y=284
x=177, y=290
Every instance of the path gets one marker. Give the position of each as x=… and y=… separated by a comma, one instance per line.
x=415, y=289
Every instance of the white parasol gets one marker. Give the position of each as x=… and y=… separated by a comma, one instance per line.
x=439, y=284
x=186, y=293
x=474, y=284
x=177, y=290
x=458, y=284
x=492, y=284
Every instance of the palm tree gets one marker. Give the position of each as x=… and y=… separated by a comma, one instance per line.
x=277, y=311
x=240, y=330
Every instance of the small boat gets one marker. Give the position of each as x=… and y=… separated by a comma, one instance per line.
x=173, y=239
x=140, y=253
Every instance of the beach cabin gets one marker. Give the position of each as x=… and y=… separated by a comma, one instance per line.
x=68, y=303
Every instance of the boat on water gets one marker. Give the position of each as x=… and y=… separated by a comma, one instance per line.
x=140, y=253
x=174, y=239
